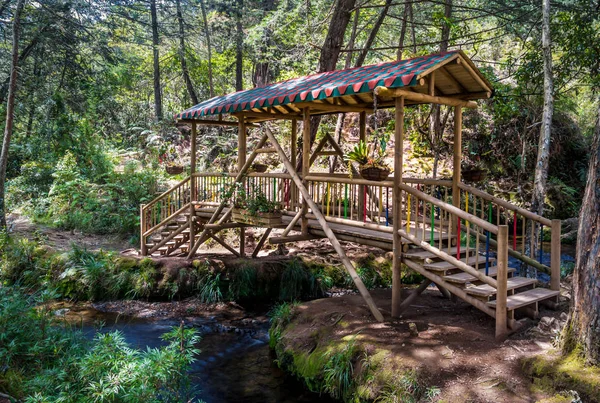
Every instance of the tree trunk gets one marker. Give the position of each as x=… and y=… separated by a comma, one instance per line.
x=330, y=51
x=541, y=166
x=399, y=54
x=157, y=91
x=239, y=43
x=207, y=34
x=583, y=325
x=184, y=69
x=435, y=127
x=10, y=108
x=363, y=55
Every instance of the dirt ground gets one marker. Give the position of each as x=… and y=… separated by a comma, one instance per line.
x=455, y=346
x=60, y=240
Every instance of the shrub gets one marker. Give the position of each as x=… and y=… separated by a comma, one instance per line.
x=42, y=361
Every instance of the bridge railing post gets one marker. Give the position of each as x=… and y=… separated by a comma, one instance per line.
x=555, y=256
x=502, y=279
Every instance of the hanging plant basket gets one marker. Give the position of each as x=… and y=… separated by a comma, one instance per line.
x=474, y=175
x=260, y=168
x=268, y=220
x=374, y=173
x=174, y=169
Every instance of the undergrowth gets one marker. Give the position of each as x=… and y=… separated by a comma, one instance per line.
x=46, y=361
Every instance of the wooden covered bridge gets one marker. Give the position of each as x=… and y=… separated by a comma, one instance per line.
x=455, y=235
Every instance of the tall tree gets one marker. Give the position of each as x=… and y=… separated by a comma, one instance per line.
x=209, y=49
x=156, y=61
x=583, y=325
x=436, y=128
x=541, y=166
x=10, y=107
x=239, y=46
x=182, y=55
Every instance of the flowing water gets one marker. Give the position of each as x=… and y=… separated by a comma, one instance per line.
x=234, y=365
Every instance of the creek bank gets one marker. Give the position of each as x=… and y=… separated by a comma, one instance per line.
x=437, y=351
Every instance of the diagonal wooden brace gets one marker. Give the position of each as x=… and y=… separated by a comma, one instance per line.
x=325, y=226
x=219, y=209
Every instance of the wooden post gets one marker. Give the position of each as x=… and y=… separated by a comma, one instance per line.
x=501, y=283
x=456, y=174
x=193, y=187
x=555, y=256
x=143, y=248
x=397, y=208
x=241, y=143
x=294, y=157
x=305, y=165
x=240, y=165
x=327, y=230
x=362, y=136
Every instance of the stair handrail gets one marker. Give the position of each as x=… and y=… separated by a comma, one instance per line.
x=165, y=194
x=507, y=205
x=452, y=209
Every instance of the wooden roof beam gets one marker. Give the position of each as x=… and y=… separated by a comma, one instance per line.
x=267, y=115
x=318, y=107
x=423, y=98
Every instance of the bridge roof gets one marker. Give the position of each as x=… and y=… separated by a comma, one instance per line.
x=345, y=90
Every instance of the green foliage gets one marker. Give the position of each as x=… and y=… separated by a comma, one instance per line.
x=210, y=288
x=281, y=315
x=243, y=283
x=360, y=153
x=44, y=361
x=296, y=281
x=339, y=370
x=255, y=201
x=74, y=202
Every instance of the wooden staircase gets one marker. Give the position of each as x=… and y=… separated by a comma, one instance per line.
x=522, y=291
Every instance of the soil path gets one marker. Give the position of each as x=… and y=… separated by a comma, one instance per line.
x=61, y=240
x=454, y=349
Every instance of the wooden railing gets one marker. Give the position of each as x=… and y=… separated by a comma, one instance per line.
x=519, y=221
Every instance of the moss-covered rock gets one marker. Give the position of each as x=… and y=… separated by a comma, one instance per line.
x=554, y=373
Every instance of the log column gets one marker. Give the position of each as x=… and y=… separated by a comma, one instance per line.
x=457, y=151
x=293, y=159
x=397, y=208
x=305, y=164
x=362, y=136
x=193, y=187
x=240, y=165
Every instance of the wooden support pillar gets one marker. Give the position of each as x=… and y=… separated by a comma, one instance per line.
x=457, y=151
x=193, y=185
x=362, y=136
x=241, y=143
x=501, y=283
x=241, y=162
x=143, y=248
x=305, y=164
x=294, y=160
x=397, y=208
x=243, y=242
x=261, y=242
x=555, y=256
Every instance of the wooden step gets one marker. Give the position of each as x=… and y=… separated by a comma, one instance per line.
x=526, y=298
x=486, y=290
x=464, y=278
x=422, y=254
x=443, y=265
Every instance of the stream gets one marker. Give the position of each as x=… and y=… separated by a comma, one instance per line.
x=235, y=363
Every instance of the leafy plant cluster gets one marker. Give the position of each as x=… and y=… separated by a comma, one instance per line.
x=64, y=197
x=46, y=361
x=254, y=201
x=372, y=155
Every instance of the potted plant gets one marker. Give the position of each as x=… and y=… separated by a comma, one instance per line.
x=474, y=172
x=256, y=208
x=371, y=161
x=258, y=167
x=172, y=161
